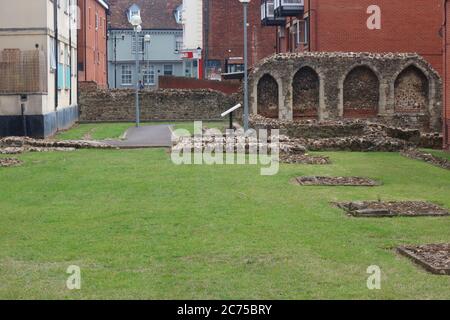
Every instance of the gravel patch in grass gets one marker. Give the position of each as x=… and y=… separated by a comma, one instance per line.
x=392, y=209
x=435, y=258
x=336, y=181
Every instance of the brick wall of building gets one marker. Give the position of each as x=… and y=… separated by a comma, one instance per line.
x=446, y=75
x=171, y=82
x=224, y=33
x=92, y=59
x=406, y=26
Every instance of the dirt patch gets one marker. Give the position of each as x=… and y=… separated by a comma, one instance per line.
x=427, y=157
x=304, y=159
x=435, y=258
x=392, y=209
x=10, y=162
x=336, y=181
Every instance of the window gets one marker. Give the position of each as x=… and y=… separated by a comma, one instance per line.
x=52, y=53
x=140, y=43
x=96, y=21
x=302, y=34
x=232, y=68
x=127, y=75
x=179, y=43
x=149, y=75
x=134, y=10
x=90, y=18
x=179, y=14
x=168, y=69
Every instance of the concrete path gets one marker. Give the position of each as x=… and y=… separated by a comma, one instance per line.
x=145, y=137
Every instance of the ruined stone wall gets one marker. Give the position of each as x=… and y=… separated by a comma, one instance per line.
x=98, y=104
x=401, y=88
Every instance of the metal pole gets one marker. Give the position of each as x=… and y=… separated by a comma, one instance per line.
x=137, y=77
x=245, y=71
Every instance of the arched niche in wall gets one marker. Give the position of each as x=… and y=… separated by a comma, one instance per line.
x=361, y=93
x=411, y=91
x=268, y=97
x=306, y=94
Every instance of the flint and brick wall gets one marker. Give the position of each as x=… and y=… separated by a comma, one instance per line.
x=97, y=104
x=398, y=88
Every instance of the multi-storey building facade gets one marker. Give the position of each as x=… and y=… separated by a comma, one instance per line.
x=38, y=59
x=358, y=26
x=92, y=59
x=224, y=37
x=161, y=55
x=192, y=19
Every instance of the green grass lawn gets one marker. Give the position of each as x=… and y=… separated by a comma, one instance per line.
x=102, y=131
x=141, y=227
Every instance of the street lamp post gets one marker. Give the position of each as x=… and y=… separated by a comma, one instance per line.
x=136, y=22
x=246, y=111
x=147, y=39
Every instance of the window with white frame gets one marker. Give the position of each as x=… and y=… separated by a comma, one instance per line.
x=179, y=43
x=179, y=14
x=140, y=43
x=134, y=10
x=52, y=54
x=168, y=69
x=127, y=75
x=149, y=75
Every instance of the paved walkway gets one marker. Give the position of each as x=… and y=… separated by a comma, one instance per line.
x=145, y=137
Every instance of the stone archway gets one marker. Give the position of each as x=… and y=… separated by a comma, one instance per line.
x=306, y=94
x=268, y=97
x=411, y=91
x=361, y=93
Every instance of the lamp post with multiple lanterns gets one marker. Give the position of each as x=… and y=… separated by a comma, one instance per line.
x=246, y=111
x=136, y=22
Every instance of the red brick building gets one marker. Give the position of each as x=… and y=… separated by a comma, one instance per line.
x=353, y=25
x=92, y=53
x=224, y=36
x=446, y=73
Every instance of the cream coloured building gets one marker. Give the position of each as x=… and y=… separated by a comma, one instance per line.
x=38, y=66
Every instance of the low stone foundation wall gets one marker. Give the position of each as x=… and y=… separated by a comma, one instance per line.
x=352, y=135
x=98, y=104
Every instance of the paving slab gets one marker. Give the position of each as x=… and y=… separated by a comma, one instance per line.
x=144, y=137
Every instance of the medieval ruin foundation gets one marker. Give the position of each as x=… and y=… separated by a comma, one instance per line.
x=398, y=89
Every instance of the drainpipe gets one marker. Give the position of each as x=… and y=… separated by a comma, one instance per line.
x=70, y=52
x=205, y=35
x=55, y=28
x=445, y=77
x=309, y=26
x=86, y=12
